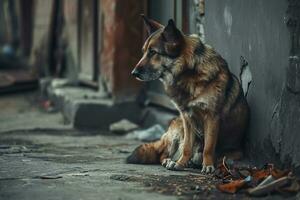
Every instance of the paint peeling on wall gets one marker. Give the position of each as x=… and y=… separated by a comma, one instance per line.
x=228, y=19
x=245, y=75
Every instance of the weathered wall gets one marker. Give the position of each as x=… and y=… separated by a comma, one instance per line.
x=121, y=46
x=262, y=32
x=71, y=34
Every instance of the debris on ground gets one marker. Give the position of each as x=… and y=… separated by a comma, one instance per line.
x=123, y=126
x=254, y=181
x=189, y=186
x=147, y=135
x=48, y=106
x=13, y=149
x=49, y=177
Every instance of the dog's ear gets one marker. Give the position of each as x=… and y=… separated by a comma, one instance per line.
x=173, y=38
x=151, y=25
x=171, y=33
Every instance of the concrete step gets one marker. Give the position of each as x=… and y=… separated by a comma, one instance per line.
x=85, y=108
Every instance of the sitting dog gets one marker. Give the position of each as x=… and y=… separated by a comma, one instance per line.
x=208, y=96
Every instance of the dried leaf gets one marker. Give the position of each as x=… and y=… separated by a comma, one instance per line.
x=231, y=187
x=261, y=181
x=259, y=175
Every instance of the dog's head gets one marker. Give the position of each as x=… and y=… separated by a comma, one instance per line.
x=160, y=50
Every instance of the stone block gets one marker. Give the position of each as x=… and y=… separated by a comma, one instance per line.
x=85, y=108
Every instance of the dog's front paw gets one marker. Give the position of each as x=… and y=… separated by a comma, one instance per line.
x=165, y=162
x=171, y=165
x=207, y=169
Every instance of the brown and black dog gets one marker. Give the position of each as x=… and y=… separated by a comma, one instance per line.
x=207, y=95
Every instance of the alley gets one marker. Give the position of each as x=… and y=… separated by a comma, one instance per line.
x=73, y=106
x=41, y=157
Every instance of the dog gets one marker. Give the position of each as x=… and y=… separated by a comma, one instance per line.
x=207, y=95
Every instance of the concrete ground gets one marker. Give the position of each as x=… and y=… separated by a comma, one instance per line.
x=41, y=157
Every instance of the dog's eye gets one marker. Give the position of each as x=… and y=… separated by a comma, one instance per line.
x=152, y=52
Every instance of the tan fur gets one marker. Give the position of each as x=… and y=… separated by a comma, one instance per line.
x=206, y=94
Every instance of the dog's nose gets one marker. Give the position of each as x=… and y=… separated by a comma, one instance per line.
x=135, y=72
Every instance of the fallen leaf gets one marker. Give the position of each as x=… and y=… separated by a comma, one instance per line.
x=259, y=175
x=231, y=187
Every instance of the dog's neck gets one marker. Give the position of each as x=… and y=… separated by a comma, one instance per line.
x=187, y=62
x=196, y=59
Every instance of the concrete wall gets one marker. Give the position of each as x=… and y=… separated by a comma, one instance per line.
x=261, y=31
x=120, y=39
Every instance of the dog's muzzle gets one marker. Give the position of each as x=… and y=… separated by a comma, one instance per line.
x=143, y=74
x=135, y=72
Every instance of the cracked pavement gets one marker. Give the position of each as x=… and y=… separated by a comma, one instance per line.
x=41, y=157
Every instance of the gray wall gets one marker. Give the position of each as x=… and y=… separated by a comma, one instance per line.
x=260, y=30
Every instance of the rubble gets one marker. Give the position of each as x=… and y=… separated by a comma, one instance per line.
x=123, y=126
x=254, y=181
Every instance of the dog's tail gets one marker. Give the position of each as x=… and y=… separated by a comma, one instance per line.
x=148, y=153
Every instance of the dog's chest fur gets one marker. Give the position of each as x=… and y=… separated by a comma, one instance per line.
x=189, y=92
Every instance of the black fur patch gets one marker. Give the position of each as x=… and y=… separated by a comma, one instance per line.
x=232, y=80
x=229, y=86
x=199, y=49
